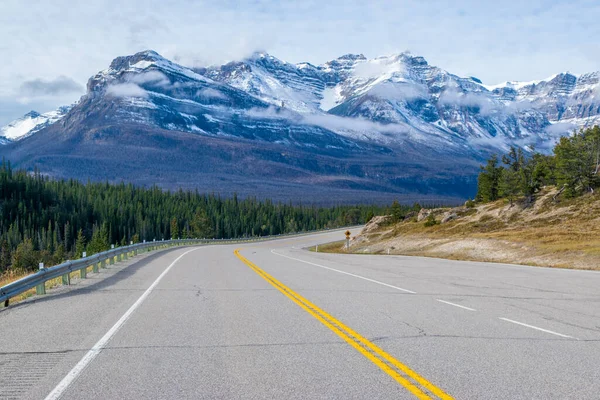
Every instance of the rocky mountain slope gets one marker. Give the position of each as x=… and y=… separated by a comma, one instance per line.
x=410, y=97
x=148, y=120
x=349, y=129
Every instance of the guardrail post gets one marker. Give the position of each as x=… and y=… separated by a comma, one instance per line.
x=83, y=271
x=66, y=279
x=95, y=267
x=125, y=255
x=41, y=288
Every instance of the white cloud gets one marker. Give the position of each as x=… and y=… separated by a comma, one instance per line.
x=560, y=128
x=328, y=121
x=517, y=106
x=403, y=91
x=373, y=69
x=485, y=104
x=493, y=142
x=210, y=93
x=153, y=77
x=126, y=90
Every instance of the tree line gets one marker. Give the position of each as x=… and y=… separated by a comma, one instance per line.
x=48, y=220
x=573, y=167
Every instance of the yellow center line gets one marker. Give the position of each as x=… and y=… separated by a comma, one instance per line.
x=419, y=386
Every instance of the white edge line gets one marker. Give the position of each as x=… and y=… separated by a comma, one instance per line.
x=345, y=273
x=537, y=328
x=58, y=391
x=456, y=305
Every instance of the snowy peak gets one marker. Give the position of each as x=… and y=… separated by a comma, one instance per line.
x=388, y=99
x=410, y=96
x=30, y=123
x=564, y=98
x=146, y=67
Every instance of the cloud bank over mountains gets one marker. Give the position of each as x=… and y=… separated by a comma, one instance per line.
x=493, y=41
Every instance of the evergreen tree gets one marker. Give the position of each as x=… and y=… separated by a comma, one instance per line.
x=201, y=226
x=397, y=212
x=5, y=256
x=99, y=242
x=509, y=184
x=79, y=245
x=578, y=162
x=489, y=180
x=52, y=213
x=59, y=254
x=24, y=257
x=174, y=229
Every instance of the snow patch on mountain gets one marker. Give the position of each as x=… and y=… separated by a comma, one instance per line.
x=30, y=123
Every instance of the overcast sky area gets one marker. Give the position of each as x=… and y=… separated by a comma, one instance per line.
x=50, y=48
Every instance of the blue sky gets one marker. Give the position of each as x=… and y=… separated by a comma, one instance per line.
x=50, y=48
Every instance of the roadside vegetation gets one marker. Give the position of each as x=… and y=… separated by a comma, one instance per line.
x=530, y=208
x=47, y=220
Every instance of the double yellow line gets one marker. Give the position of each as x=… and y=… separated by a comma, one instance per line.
x=416, y=384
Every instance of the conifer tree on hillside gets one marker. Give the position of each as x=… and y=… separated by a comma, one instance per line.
x=397, y=212
x=79, y=245
x=174, y=228
x=99, y=242
x=578, y=162
x=61, y=216
x=201, y=226
x=489, y=180
x=24, y=257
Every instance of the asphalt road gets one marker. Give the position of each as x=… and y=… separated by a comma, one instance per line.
x=275, y=321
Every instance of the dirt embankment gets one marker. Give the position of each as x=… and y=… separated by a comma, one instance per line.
x=548, y=232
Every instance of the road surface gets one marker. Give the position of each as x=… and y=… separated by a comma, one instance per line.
x=274, y=321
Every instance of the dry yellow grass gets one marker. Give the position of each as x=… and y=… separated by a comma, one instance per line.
x=564, y=234
x=333, y=247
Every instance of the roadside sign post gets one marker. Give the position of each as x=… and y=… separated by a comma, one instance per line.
x=348, y=233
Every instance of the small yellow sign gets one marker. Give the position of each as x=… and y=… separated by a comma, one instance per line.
x=348, y=233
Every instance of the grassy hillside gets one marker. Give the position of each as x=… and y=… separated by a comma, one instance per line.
x=551, y=231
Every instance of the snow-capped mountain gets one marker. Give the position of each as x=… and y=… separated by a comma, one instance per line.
x=349, y=128
x=30, y=123
x=411, y=97
x=562, y=98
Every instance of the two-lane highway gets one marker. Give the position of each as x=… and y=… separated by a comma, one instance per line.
x=271, y=320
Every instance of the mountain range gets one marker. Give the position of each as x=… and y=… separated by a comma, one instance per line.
x=350, y=130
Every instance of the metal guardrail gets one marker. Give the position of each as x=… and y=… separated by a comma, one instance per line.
x=96, y=261
x=100, y=260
